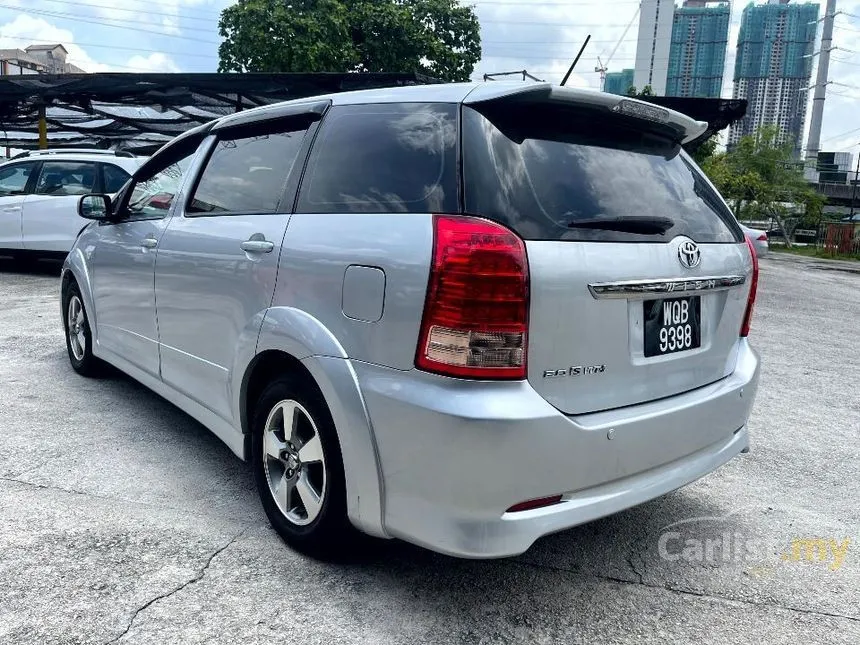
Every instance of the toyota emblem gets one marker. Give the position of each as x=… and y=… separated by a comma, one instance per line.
x=689, y=254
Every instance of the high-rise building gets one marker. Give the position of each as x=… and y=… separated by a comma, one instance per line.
x=618, y=82
x=773, y=68
x=697, y=55
x=652, y=46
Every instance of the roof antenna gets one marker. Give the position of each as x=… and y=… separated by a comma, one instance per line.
x=576, y=60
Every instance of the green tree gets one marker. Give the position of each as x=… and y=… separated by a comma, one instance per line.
x=705, y=150
x=436, y=37
x=631, y=91
x=647, y=91
x=762, y=173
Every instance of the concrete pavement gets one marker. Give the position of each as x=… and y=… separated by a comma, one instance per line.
x=124, y=521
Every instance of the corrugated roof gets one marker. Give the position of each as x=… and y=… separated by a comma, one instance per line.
x=119, y=110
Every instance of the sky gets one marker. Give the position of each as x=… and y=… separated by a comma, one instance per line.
x=541, y=36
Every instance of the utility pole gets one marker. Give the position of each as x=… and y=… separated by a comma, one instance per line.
x=602, y=69
x=854, y=190
x=43, y=128
x=814, y=142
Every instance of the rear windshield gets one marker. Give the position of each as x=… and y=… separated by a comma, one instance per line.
x=542, y=169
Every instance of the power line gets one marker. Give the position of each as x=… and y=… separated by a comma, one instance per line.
x=842, y=61
x=134, y=11
x=134, y=68
x=842, y=134
x=567, y=42
x=552, y=24
x=546, y=4
x=147, y=50
x=159, y=3
x=106, y=23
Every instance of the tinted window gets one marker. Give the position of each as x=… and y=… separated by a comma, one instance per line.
x=66, y=178
x=153, y=196
x=384, y=159
x=13, y=179
x=247, y=175
x=541, y=169
x=115, y=178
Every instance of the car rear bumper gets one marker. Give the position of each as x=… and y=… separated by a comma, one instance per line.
x=455, y=454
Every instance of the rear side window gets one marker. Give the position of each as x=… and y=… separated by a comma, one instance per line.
x=14, y=178
x=114, y=177
x=385, y=158
x=62, y=178
x=246, y=174
x=550, y=173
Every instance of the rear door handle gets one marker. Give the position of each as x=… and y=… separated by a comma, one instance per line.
x=149, y=242
x=258, y=246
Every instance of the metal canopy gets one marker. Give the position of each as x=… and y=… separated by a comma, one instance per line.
x=719, y=113
x=139, y=112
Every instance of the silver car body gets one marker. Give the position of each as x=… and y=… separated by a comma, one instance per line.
x=49, y=222
x=180, y=306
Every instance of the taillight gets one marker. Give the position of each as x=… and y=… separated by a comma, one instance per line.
x=745, y=328
x=762, y=237
x=476, y=312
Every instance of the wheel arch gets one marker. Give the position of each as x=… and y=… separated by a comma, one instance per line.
x=294, y=342
x=264, y=368
x=76, y=269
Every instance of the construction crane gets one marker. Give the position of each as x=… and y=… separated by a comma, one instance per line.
x=604, y=67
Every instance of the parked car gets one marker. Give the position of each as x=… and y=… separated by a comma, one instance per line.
x=759, y=240
x=462, y=315
x=39, y=194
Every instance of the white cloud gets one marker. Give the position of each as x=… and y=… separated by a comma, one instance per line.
x=25, y=30
x=166, y=15
x=170, y=25
x=155, y=62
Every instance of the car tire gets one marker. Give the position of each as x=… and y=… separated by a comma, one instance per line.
x=79, y=338
x=298, y=469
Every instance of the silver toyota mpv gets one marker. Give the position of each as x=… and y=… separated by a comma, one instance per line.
x=461, y=315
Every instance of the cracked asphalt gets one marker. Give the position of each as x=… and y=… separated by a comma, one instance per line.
x=124, y=521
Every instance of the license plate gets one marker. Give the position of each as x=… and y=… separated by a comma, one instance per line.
x=672, y=325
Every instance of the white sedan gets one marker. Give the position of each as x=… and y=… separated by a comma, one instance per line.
x=39, y=194
x=759, y=239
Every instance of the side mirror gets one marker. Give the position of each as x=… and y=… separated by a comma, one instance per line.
x=97, y=207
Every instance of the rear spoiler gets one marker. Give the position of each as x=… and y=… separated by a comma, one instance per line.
x=688, y=129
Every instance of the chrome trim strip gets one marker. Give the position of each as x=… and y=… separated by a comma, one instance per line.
x=642, y=288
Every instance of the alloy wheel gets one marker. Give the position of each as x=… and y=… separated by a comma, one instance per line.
x=75, y=324
x=294, y=462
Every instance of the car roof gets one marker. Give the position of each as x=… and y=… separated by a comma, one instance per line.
x=469, y=93
x=129, y=164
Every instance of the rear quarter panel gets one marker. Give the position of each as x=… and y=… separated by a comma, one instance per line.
x=317, y=250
